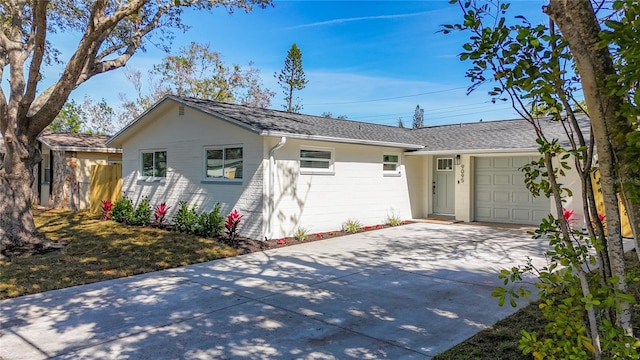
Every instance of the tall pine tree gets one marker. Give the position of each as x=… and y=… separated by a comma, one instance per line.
x=291, y=78
x=418, y=118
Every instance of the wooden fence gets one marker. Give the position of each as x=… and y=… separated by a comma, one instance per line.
x=106, y=184
x=625, y=225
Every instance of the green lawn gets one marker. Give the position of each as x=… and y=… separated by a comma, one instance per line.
x=100, y=250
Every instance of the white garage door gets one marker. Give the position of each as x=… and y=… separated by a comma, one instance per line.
x=500, y=193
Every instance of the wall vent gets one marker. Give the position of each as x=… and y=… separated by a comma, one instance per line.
x=181, y=110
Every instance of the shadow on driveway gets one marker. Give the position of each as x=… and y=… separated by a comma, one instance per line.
x=400, y=293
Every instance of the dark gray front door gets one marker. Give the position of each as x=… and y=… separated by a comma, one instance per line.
x=443, y=187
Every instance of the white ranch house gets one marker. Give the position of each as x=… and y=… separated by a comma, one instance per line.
x=283, y=171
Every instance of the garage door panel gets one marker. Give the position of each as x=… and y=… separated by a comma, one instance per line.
x=483, y=180
x=520, y=161
x=517, y=179
x=521, y=197
x=523, y=215
x=502, y=163
x=484, y=212
x=483, y=163
x=501, y=195
x=502, y=213
x=484, y=196
x=501, y=180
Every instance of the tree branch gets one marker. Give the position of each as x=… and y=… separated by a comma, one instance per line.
x=39, y=29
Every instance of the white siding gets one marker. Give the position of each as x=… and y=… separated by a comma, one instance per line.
x=184, y=137
x=357, y=189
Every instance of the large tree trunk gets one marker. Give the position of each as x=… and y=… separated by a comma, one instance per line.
x=578, y=24
x=17, y=229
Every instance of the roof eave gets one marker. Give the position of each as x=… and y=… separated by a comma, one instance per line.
x=86, y=149
x=342, y=140
x=473, y=151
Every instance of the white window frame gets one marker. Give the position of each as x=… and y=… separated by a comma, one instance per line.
x=395, y=172
x=317, y=171
x=223, y=178
x=444, y=169
x=153, y=151
x=46, y=168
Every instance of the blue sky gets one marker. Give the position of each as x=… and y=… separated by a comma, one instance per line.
x=371, y=61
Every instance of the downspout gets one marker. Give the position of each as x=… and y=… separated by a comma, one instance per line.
x=272, y=171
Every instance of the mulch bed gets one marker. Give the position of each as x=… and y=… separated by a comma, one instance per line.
x=247, y=246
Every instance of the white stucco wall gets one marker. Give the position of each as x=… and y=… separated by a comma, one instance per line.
x=185, y=137
x=357, y=189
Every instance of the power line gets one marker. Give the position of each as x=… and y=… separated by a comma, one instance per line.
x=427, y=120
x=384, y=99
x=433, y=111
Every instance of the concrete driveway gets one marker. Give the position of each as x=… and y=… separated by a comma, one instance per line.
x=408, y=292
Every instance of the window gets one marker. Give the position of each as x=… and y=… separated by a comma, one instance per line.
x=46, y=168
x=391, y=164
x=154, y=163
x=316, y=160
x=223, y=163
x=445, y=164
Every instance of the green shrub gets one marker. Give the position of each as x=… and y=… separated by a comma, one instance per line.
x=122, y=210
x=142, y=214
x=301, y=233
x=393, y=220
x=211, y=224
x=185, y=219
x=351, y=225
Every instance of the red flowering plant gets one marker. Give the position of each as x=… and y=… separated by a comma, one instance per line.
x=568, y=216
x=106, y=209
x=281, y=241
x=159, y=214
x=319, y=235
x=231, y=226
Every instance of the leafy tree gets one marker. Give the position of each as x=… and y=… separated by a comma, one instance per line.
x=292, y=78
x=400, y=123
x=418, y=118
x=531, y=63
x=329, y=115
x=111, y=33
x=198, y=72
x=100, y=118
x=69, y=119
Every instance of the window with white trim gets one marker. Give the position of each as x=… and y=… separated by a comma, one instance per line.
x=316, y=160
x=391, y=164
x=154, y=163
x=223, y=163
x=46, y=169
x=445, y=164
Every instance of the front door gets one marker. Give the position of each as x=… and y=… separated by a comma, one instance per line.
x=443, y=187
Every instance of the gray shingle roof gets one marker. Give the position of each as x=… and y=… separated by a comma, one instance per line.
x=72, y=139
x=485, y=136
x=515, y=134
x=77, y=142
x=274, y=122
